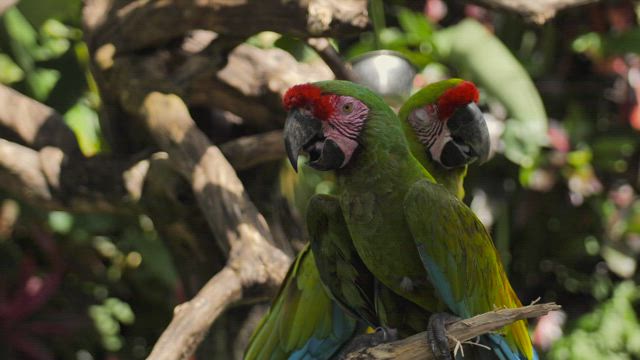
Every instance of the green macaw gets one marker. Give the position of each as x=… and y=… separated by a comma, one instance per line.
x=392, y=205
x=341, y=269
x=320, y=336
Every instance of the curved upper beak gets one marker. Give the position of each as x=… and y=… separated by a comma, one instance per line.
x=303, y=133
x=470, y=134
x=300, y=129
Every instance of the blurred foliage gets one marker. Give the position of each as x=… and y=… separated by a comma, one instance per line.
x=610, y=331
x=560, y=195
x=73, y=286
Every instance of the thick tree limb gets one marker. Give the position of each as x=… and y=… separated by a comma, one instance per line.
x=21, y=173
x=248, y=151
x=191, y=320
x=36, y=124
x=235, y=222
x=142, y=24
x=538, y=11
x=415, y=347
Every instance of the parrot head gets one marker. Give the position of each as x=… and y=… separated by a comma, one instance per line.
x=325, y=123
x=448, y=123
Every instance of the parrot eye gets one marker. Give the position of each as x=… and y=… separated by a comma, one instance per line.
x=347, y=108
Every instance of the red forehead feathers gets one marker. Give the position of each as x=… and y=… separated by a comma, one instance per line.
x=457, y=96
x=300, y=96
x=309, y=96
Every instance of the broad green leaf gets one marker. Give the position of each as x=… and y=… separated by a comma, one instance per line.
x=84, y=122
x=480, y=55
x=415, y=25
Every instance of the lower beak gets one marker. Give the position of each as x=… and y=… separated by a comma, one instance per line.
x=470, y=137
x=300, y=129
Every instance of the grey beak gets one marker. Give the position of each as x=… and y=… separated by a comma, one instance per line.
x=300, y=129
x=470, y=137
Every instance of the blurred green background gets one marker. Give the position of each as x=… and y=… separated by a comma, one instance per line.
x=559, y=195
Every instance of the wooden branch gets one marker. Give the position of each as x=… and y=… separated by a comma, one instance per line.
x=252, y=83
x=538, y=11
x=233, y=219
x=340, y=68
x=143, y=24
x=5, y=4
x=192, y=320
x=21, y=173
x=36, y=124
x=249, y=151
x=415, y=347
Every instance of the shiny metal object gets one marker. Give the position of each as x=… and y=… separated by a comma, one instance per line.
x=386, y=72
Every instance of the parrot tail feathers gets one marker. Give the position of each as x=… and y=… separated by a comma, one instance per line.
x=503, y=351
x=325, y=348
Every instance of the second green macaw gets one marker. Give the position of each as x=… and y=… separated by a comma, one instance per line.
x=416, y=238
x=303, y=321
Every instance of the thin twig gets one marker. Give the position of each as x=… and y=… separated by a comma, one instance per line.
x=340, y=68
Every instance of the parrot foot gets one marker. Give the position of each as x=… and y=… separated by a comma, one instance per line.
x=388, y=334
x=381, y=335
x=437, y=335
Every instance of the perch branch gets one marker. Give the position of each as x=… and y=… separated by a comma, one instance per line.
x=415, y=347
x=233, y=219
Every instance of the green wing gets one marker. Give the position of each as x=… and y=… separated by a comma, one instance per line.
x=303, y=322
x=341, y=270
x=460, y=258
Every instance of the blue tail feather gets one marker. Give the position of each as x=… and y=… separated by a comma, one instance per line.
x=320, y=349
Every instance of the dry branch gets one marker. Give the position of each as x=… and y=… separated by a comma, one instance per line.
x=142, y=24
x=249, y=151
x=36, y=124
x=538, y=11
x=233, y=219
x=21, y=173
x=192, y=320
x=415, y=347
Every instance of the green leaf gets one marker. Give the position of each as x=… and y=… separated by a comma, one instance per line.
x=296, y=47
x=9, y=71
x=84, y=122
x=484, y=58
x=608, y=44
x=414, y=24
x=26, y=50
x=41, y=82
x=60, y=221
